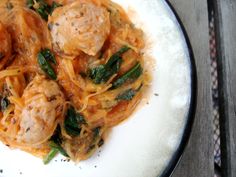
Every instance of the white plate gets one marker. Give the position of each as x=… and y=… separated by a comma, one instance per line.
x=144, y=145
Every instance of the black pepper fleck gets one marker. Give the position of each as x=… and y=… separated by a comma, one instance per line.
x=9, y=5
x=156, y=94
x=95, y=166
x=1, y=170
x=28, y=129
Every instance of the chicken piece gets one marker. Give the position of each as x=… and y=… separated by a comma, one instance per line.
x=5, y=47
x=62, y=2
x=10, y=4
x=44, y=104
x=28, y=31
x=79, y=26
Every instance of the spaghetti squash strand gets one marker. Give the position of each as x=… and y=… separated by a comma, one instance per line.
x=6, y=114
x=95, y=30
x=9, y=72
x=77, y=80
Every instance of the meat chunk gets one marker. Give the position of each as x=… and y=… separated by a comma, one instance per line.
x=5, y=47
x=28, y=31
x=79, y=26
x=44, y=103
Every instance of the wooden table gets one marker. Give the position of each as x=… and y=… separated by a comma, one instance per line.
x=198, y=159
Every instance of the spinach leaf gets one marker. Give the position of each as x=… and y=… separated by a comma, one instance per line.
x=56, y=141
x=42, y=11
x=30, y=3
x=96, y=136
x=4, y=103
x=112, y=67
x=43, y=60
x=73, y=122
x=53, y=145
x=122, y=50
x=49, y=55
x=116, y=56
x=126, y=96
x=54, y=6
x=42, y=8
x=103, y=73
x=133, y=74
x=96, y=74
x=53, y=152
x=56, y=137
x=96, y=132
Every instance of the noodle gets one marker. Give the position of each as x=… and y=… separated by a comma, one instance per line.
x=9, y=72
x=69, y=78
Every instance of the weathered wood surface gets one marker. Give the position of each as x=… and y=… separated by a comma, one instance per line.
x=226, y=42
x=197, y=159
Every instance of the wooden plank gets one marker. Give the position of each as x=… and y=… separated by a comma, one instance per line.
x=226, y=42
x=197, y=159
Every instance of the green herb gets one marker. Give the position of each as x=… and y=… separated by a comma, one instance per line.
x=73, y=122
x=103, y=73
x=53, y=152
x=49, y=55
x=54, y=6
x=126, y=96
x=4, y=103
x=96, y=74
x=56, y=141
x=9, y=5
x=53, y=145
x=133, y=74
x=46, y=66
x=30, y=3
x=56, y=137
x=96, y=133
x=43, y=9
x=42, y=12
x=121, y=51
